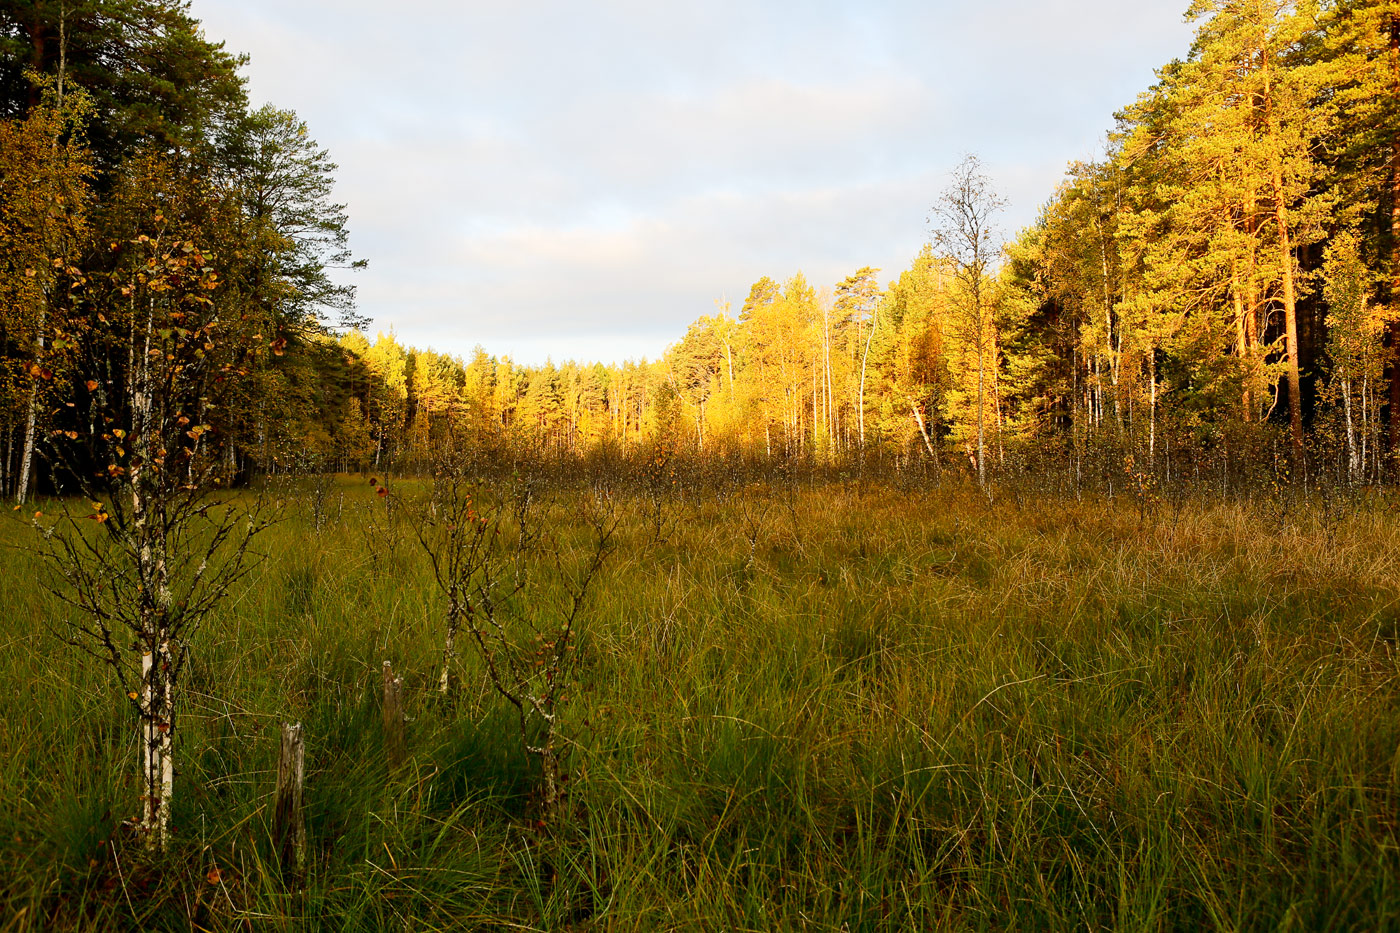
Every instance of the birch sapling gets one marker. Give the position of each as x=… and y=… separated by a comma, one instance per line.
x=156, y=354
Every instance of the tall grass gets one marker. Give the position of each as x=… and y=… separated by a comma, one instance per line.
x=851, y=707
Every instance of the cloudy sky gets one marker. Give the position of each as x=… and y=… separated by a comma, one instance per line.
x=580, y=180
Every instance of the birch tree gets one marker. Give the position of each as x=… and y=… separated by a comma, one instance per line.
x=965, y=236
x=160, y=346
x=44, y=174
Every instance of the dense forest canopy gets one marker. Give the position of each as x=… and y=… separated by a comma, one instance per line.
x=1218, y=288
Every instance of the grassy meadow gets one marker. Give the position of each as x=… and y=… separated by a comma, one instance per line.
x=835, y=706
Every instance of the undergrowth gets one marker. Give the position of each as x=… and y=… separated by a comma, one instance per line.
x=845, y=707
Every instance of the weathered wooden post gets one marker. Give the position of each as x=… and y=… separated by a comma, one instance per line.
x=288, y=821
x=394, y=718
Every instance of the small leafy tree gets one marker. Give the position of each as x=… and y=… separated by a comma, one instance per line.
x=487, y=553
x=45, y=169
x=158, y=344
x=1355, y=325
x=966, y=237
x=461, y=534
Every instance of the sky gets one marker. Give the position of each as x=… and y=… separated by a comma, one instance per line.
x=581, y=180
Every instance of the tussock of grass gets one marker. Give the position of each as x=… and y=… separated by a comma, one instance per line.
x=854, y=708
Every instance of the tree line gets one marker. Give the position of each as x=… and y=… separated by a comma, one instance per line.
x=159, y=237
x=1215, y=291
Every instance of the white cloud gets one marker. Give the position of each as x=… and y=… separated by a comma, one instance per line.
x=559, y=177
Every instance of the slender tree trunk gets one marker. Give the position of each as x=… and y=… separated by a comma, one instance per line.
x=1108, y=324
x=874, y=322
x=995, y=357
x=1393, y=222
x=1373, y=423
x=1290, y=319
x=1365, y=430
x=27, y=454
x=826, y=378
x=1251, y=303
x=923, y=429
x=550, y=766
x=32, y=415
x=159, y=661
x=158, y=743
x=1152, y=422
x=1096, y=394
x=1241, y=345
x=981, y=408
x=1352, y=462
x=449, y=649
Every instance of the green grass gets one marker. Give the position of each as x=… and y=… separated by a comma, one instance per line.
x=909, y=710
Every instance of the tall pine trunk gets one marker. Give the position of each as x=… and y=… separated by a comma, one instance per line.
x=1392, y=220
x=1290, y=319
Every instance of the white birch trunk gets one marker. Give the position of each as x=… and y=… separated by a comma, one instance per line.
x=157, y=746
x=31, y=422
x=1152, y=419
x=874, y=322
x=449, y=657
x=981, y=417
x=1353, y=464
x=923, y=430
